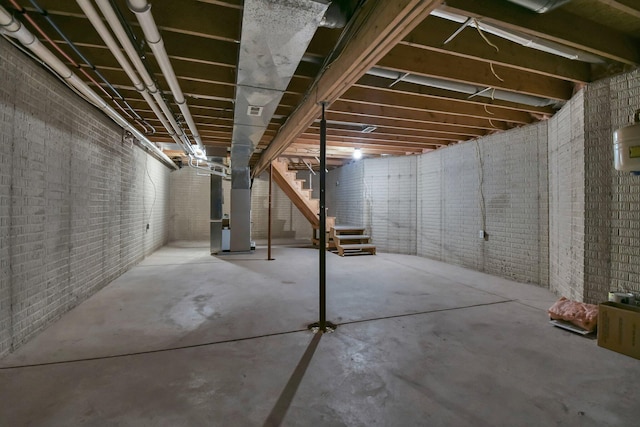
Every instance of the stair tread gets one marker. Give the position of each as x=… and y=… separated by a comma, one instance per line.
x=352, y=236
x=358, y=246
x=348, y=228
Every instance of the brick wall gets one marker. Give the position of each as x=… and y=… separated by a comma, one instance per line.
x=612, y=198
x=434, y=205
x=380, y=195
x=190, y=204
x=567, y=200
x=348, y=199
x=75, y=200
x=390, y=203
x=497, y=184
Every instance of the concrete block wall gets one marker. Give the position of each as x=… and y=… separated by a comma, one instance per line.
x=190, y=204
x=75, y=200
x=612, y=198
x=567, y=200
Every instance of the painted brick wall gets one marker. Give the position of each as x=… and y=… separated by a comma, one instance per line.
x=612, y=198
x=434, y=205
x=75, y=200
x=497, y=184
x=390, y=203
x=430, y=205
x=348, y=198
x=190, y=204
x=567, y=200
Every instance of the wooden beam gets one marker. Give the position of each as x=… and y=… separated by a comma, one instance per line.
x=630, y=7
x=474, y=72
x=425, y=103
x=377, y=27
x=397, y=123
x=431, y=34
x=559, y=26
x=377, y=139
x=407, y=133
x=370, y=110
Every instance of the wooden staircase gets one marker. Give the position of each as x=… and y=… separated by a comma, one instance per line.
x=351, y=240
x=301, y=197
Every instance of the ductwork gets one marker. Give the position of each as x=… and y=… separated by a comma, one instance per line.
x=338, y=13
x=275, y=35
x=15, y=29
x=540, y=6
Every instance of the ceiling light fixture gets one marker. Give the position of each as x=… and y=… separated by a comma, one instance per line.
x=357, y=154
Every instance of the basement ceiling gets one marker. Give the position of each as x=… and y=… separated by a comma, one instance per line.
x=403, y=77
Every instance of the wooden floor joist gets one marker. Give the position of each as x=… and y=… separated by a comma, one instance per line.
x=378, y=27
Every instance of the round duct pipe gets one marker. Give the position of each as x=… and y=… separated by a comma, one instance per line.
x=338, y=13
x=540, y=6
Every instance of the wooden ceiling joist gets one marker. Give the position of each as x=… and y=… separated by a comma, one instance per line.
x=431, y=34
x=375, y=30
x=424, y=103
x=478, y=73
x=559, y=26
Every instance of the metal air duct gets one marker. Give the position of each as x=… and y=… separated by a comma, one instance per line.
x=275, y=35
x=540, y=6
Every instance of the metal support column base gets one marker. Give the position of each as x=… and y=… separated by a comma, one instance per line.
x=328, y=327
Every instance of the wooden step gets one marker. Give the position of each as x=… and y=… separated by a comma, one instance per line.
x=356, y=248
x=351, y=237
x=349, y=229
x=292, y=187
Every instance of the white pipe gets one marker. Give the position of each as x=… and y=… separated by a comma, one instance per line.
x=16, y=30
x=461, y=87
x=142, y=10
x=523, y=39
x=113, y=46
x=177, y=134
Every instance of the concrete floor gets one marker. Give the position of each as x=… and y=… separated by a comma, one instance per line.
x=186, y=339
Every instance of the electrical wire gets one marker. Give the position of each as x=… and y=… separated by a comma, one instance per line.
x=477, y=25
x=131, y=113
x=146, y=168
x=483, y=214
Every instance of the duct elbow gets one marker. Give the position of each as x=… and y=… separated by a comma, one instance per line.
x=338, y=13
x=540, y=6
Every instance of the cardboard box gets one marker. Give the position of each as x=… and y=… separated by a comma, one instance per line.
x=619, y=328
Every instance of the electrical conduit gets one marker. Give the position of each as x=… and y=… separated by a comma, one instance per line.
x=121, y=35
x=110, y=42
x=15, y=29
x=142, y=10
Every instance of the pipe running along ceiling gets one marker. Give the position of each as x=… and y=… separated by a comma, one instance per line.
x=207, y=80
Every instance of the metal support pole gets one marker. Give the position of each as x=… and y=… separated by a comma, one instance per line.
x=270, y=205
x=323, y=325
x=323, y=222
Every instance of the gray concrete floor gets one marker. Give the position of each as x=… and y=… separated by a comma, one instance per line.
x=186, y=339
